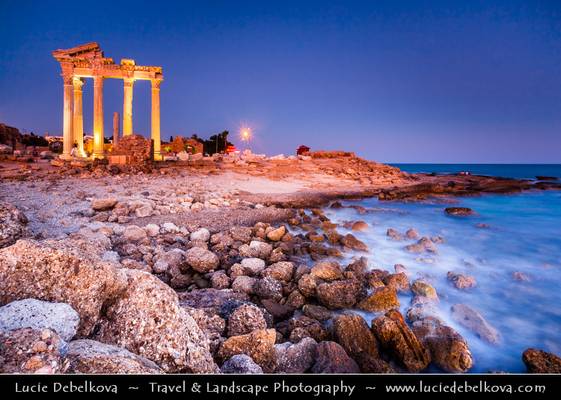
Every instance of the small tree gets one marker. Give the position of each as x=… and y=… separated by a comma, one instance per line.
x=177, y=145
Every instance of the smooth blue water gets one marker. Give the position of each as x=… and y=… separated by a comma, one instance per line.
x=519, y=171
x=524, y=235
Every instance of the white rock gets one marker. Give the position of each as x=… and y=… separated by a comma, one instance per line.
x=37, y=314
x=170, y=227
x=201, y=234
x=152, y=230
x=253, y=266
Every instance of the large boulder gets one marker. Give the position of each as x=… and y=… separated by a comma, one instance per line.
x=541, y=362
x=64, y=271
x=474, y=321
x=397, y=339
x=259, y=345
x=295, y=358
x=351, y=242
x=30, y=350
x=327, y=271
x=449, y=350
x=280, y=271
x=13, y=224
x=331, y=358
x=87, y=356
x=351, y=331
x=202, y=260
x=339, y=294
x=148, y=321
x=37, y=314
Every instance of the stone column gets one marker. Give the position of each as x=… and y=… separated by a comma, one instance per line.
x=78, y=120
x=127, y=106
x=98, y=117
x=155, y=136
x=67, y=117
x=115, y=128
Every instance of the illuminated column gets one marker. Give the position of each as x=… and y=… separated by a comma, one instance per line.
x=78, y=119
x=98, y=117
x=156, y=118
x=127, y=106
x=67, y=117
x=115, y=128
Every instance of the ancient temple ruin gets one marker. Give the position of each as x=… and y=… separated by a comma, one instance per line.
x=88, y=61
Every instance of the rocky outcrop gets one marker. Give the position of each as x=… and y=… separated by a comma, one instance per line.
x=60, y=272
x=37, y=314
x=352, y=333
x=381, y=299
x=541, y=362
x=13, y=224
x=90, y=357
x=449, y=350
x=148, y=321
x=397, y=339
x=459, y=211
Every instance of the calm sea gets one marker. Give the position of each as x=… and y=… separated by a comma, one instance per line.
x=521, y=238
x=520, y=171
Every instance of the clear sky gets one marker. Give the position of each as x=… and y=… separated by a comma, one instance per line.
x=395, y=81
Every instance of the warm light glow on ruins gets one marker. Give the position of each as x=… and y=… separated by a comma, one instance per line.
x=245, y=134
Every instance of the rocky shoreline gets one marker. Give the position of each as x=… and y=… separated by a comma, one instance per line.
x=205, y=278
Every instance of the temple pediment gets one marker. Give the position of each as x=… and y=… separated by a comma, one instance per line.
x=83, y=51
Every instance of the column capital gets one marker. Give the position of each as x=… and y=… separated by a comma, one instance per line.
x=78, y=83
x=67, y=79
x=128, y=81
x=156, y=83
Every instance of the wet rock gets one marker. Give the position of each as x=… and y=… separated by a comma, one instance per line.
x=394, y=234
x=339, y=294
x=87, y=356
x=400, y=268
x=295, y=300
x=424, y=244
x=398, y=281
x=60, y=271
x=30, y=350
x=541, y=362
x=449, y=350
x=276, y=234
x=244, y=284
x=307, y=285
x=327, y=271
x=37, y=314
x=359, y=226
x=201, y=260
x=520, y=276
x=202, y=235
x=353, y=243
x=252, y=266
x=13, y=224
x=259, y=345
x=294, y=358
x=461, y=281
x=423, y=288
x=330, y=357
x=419, y=311
x=381, y=299
x=459, y=211
x=245, y=319
x=474, y=321
x=268, y=288
x=352, y=333
x=148, y=321
x=134, y=233
x=241, y=364
x=395, y=337
x=103, y=204
x=412, y=234
x=211, y=300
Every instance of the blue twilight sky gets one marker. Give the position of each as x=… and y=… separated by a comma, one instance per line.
x=395, y=81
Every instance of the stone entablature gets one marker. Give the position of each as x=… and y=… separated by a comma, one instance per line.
x=88, y=61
